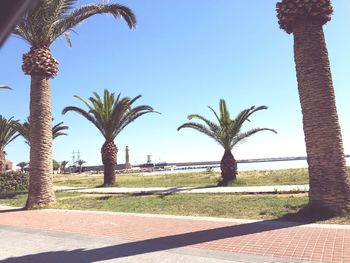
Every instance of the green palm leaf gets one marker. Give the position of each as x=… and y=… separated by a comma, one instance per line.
x=8, y=131
x=110, y=114
x=227, y=131
x=24, y=128
x=55, y=18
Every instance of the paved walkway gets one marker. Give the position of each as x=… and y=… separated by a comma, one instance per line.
x=81, y=236
x=170, y=190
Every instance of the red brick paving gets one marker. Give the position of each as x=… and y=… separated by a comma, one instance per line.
x=325, y=244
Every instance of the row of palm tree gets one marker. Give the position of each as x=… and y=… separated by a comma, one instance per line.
x=62, y=165
x=329, y=181
x=111, y=114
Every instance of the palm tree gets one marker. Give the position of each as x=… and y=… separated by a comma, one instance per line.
x=40, y=28
x=227, y=133
x=110, y=115
x=80, y=163
x=63, y=166
x=22, y=165
x=7, y=134
x=23, y=129
x=55, y=165
x=329, y=180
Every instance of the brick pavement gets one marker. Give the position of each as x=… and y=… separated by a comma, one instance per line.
x=149, y=234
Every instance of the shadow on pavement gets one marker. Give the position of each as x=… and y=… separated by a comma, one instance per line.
x=168, y=191
x=11, y=210
x=152, y=245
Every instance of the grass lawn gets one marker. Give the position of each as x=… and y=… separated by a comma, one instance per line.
x=245, y=178
x=284, y=207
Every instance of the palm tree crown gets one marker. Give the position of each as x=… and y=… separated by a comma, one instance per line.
x=23, y=130
x=22, y=165
x=110, y=114
x=55, y=18
x=228, y=131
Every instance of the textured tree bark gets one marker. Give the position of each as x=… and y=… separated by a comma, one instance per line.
x=228, y=167
x=329, y=181
x=40, y=172
x=2, y=160
x=109, y=160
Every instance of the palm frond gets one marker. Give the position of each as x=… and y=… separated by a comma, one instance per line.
x=244, y=135
x=68, y=39
x=57, y=130
x=54, y=18
x=227, y=132
x=8, y=132
x=201, y=128
x=85, y=114
x=213, y=127
x=79, y=15
x=23, y=130
x=216, y=115
x=5, y=87
x=224, y=113
x=110, y=114
x=134, y=114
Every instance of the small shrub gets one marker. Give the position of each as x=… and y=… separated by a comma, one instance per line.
x=13, y=182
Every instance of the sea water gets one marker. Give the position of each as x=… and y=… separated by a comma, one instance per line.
x=243, y=167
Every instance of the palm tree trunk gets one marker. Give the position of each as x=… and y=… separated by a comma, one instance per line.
x=109, y=159
x=40, y=173
x=2, y=160
x=329, y=181
x=228, y=169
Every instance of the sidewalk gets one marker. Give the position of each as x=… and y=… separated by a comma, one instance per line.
x=191, y=190
x=83, y=236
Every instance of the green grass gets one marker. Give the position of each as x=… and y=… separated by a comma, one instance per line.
x=215, y=205
x=245, y=178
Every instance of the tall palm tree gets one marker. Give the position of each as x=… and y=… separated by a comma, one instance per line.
x=63, y=166
x=7, y=134
x=329, y=180
x=80, y=163
x=227, y=133
x=40, y=28
x=110, y=114
x=23, y=129
x=22, y=165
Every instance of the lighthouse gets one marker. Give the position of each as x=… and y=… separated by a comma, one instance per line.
x=127, y=158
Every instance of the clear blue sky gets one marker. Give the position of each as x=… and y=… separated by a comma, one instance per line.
x=183, y=56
